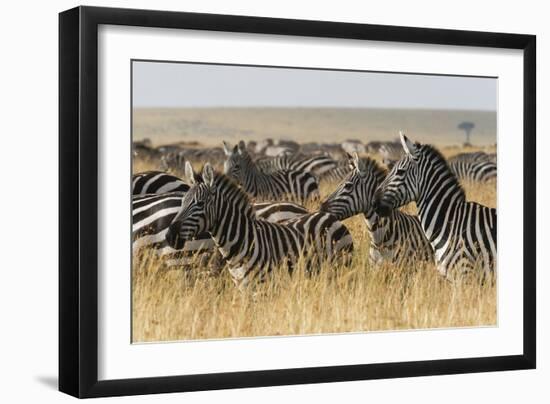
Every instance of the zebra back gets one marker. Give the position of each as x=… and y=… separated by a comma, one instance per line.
x=476, y=171
x=293, y=184
x=156, y=182
x=316, y=165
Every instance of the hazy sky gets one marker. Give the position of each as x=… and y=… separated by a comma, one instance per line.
x=197, y=85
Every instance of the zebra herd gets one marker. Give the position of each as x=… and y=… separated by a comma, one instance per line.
x=249, y=216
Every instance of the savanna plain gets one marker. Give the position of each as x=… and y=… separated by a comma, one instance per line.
x=169, y=305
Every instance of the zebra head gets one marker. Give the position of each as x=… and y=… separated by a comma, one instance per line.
x=355, y=194
x=194, y=215
x=236, y=163
x=399, y=188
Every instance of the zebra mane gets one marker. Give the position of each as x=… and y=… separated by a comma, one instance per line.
x=231, y=188
x=368, y=164
x=431, y=151
x=245, y=155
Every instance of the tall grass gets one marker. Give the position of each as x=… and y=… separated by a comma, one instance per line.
x=177, y=305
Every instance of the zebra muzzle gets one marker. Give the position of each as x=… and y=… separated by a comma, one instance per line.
x=173, y=237
x=380, y=207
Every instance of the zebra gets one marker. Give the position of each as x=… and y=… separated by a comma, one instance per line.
x=476, y=171
x=316, y=165
x=475, y=157
x=353, y=146
x=176, y=154
x=251, y=246
x=397, y=238
x=463, y=234
x=144, y=150
x=391, y=152
x=338, y=173
x=333, y=150
x=297, y=185
x=474, y=167
x=343, y=169
x=203, y=154
x=173, y=161
x=275, y=147
x=477, y=166
x=152, y=214
x=156, y=182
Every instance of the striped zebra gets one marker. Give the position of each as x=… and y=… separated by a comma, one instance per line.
x=353, y=146
x=475, y=157
x=317, y=165
x=275, y=147
x=296, y=185
x=156, y=182
x=344, y=168
x=173, y=161
x=463, y=234
x=253, y=247
x=391, y=152
x=477, y=166
x=338, y=173
x=152, y=214
x=397, y=238
x=480, y=171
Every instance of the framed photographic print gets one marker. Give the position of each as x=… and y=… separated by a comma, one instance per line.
x=251, y=201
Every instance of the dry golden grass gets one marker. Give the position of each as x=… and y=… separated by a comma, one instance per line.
x=179, y=305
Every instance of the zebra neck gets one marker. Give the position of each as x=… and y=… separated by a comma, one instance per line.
x=252, y=177
x=437, y=208
x=234, y=218
x=377, y=227
x=233, y=235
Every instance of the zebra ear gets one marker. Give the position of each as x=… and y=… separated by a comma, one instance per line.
x=226, y=149
x=189, y=173
x=359, y=164
x=408, y=146
x=242, y=147
x=208, y=174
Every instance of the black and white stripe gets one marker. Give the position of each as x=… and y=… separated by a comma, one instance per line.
x=463, y=234
x=390, y=152
x=173, y=161
x=151, y=217
x=477, y=167
x=254, y=247
x=319, y=165
x=397, y=238
x=292, y=184
x=156, y=182
x=153, y=214
x=474, y=157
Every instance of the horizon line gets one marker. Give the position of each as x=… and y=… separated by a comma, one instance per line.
x=306, y=107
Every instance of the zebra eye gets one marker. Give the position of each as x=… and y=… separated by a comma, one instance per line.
x=400, y=171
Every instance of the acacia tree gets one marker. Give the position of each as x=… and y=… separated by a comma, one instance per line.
x=467, y=127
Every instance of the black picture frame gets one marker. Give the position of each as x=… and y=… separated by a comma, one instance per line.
x=78, y=201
